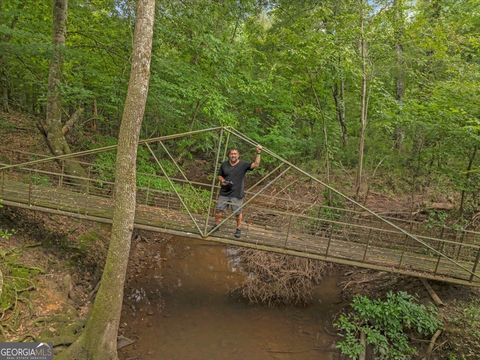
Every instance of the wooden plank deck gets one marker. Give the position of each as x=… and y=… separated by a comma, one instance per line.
x=345, y=244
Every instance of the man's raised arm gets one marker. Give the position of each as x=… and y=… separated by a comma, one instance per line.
x=256, y=162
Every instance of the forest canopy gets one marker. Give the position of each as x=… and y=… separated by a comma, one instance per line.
x=349, y=85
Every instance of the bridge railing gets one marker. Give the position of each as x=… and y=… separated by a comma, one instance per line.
x=279, y=200
x=53, y=173
x=335, y=232
x=339, y=238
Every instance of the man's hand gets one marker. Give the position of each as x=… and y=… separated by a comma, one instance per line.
x=256, y=162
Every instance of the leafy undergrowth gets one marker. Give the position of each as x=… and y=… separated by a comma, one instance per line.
x=460, y=339
x=387, y=326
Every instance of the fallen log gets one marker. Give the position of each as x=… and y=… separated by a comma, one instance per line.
x=436, y=299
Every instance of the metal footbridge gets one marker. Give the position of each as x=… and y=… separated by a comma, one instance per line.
x=327, y=226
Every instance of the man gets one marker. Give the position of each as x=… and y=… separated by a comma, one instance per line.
x=232, y=180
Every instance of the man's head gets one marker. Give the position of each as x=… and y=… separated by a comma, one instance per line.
x=233, y=155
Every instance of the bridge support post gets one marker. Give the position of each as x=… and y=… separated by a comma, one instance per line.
x=442, y=247
x=89, y=174
x=30, y=188
x=288, y=231
x=439, y=257
x=60, y=179
x=475, y=265
x=405, y=246
x=3, y=183
x=148, y=192
x=225, y=150
x=368, y=243
x=330, y=234
x=462, y=239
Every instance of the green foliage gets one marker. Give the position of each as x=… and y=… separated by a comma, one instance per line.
x=196, y=199
x=271, y=70
x=149, y=175
x=104, y=162
x=6, y=234
x=17, y=278
x=436, y=219
x=40, y=179
x=386, y=324
x=456, y=357
x=146, y=166
x=104, y=166
x=147, y=169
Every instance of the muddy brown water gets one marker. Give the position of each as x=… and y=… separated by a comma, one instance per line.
x=177, y=307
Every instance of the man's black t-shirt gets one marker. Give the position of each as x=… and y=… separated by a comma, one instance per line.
x=236, y=176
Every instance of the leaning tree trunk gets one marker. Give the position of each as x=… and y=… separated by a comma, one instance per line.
x=99, y=339
x=52, y=127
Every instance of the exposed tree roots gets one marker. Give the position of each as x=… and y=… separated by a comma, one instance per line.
x=278, y=279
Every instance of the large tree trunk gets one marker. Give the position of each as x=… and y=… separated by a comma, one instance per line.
x=51, y=126
x=364, y=103
x=338, y=96
x=399, y=133
x=471, y=159
x=4, y=82
x=338, y=88
x=5, y=38
x=99, y=339
x=3, y=73
x=325, y=134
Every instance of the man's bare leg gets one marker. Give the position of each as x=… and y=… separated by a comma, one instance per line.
x=218, y=217
x=238, y=232
x=239, y=220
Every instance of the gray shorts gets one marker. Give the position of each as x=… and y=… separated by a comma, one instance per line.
x=228, y=201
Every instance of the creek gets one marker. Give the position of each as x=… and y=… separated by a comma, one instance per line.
x=177, y=306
